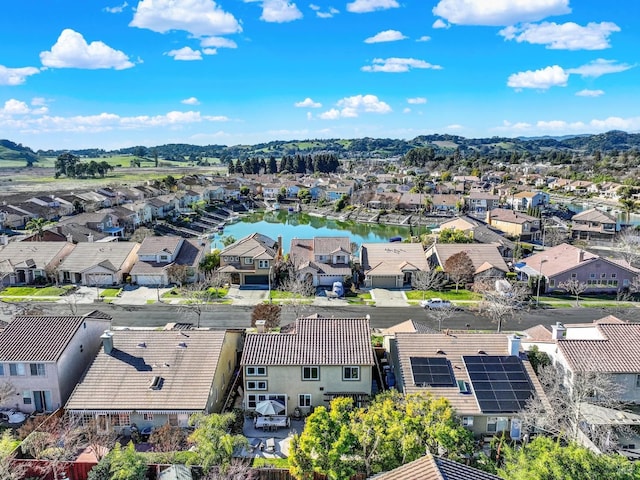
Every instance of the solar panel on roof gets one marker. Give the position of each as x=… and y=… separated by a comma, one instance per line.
x=432, y=372
x=500, y=383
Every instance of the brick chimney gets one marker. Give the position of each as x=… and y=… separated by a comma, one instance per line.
x=261, y=326
x=558, y=331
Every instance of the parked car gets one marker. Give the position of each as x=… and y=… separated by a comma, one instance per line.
x=435, y=303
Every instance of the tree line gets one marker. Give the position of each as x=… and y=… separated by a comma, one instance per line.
x=321, y=163
x=70, y=166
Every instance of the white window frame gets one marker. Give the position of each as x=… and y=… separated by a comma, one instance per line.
x=147, y=416
x=17, y=370
x=351, y=369
x=304, y=400
x=248, y=261
x=468, y=422
x=263, y=263
x=1, y=369
x=310, y=377
x=40, y=369
x=257, y=385
x=256, y=371
x=638, y=381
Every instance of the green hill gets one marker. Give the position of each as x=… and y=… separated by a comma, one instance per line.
x=14, y=154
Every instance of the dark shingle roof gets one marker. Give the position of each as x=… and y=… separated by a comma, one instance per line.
x=40, y=338
x=315, y=341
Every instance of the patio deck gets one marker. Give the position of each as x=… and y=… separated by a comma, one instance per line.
x=282, y=438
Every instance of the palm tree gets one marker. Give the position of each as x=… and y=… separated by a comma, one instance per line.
x=629, y=205
x=36, y=226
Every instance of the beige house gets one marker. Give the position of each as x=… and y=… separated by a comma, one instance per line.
x=250, y=259
x=483, y=376
x=486, y=258
x=320, y=359
x=96, y=264
x=153, y=377
x=43, y=357
x=594, y=224
x=515, y=224
x=23, y=262
x=323, y=260
x=391, y=265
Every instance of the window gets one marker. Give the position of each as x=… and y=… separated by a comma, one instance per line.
x=122, y=419
x=173, y=419
x=263, y=263
x=310, y=373
x=256, y=371
x=574, y=275
x=304, y=400
x=592, y=275
x=256, y=385
x=492, y=422
x=248, y=261
x=351, y=373
x=1, y=369
x=614, y=275
x=637, y=381
x=147, y=417
x=467, y=421
x=603, y=275
x=625, y=282
x=552, y=282
x=16, y=369
x=251, y=401
x=37, y=369
x=26, y=397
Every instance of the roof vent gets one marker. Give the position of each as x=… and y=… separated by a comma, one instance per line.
x=182, y=345
x=142, y=345
x=440, y=352
x=481, y=352
x=156, y=383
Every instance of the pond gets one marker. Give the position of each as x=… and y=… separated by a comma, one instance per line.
x=300, y=225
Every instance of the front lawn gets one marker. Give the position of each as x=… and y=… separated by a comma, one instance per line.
x=25, y=291
x=110, y=292
x=445, y=295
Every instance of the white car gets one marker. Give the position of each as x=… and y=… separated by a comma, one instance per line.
x=435, y=303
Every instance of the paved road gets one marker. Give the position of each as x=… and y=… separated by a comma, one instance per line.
x=230, y=316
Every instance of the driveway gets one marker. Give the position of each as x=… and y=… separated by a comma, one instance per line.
x=388, y=298
x=246, y=296
x=140, y=295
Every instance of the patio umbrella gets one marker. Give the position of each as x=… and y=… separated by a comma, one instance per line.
x=269, y=407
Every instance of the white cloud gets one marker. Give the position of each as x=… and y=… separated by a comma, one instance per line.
x=600, y=67
x=566, y=36
x=439, y=23
x=352, y=107
x=198, y=17
x=398, y=65
x=542, y=79
x=366, y=6
x=454, y=126
x=498, y=12
x=185, y=53
x=278, y=11
x=72, y=51
x=116, y=9
x=309, y=116
x=191, y=101
x=416, y=101
x=563, y=127
x=424, y=38
x=386, y=36
x=406, y=110
x=307, y=103
x=589, y=93
x=326, y=14
x=15, y=107
x=218, y=42
x=16, y=76
x=210, y=51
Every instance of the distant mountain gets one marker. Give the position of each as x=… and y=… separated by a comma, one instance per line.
x=495, y=147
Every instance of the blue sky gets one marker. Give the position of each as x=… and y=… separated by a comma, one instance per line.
x=111, y=74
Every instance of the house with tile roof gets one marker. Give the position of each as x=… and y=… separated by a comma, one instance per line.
x=316, y=361
x=486, y=258
x=483, y=376
x=594, y=224
x=478, y=203
x=153, y=377
x=515, y=224
x=23, y=262
x=608, y=345
x=321, y=260
x=43, y=357
x=565, y=262
x=249, y=260
x=102, y=264
x=482, y=233
x=157, y=254
x=430, y=467
x=391, y=265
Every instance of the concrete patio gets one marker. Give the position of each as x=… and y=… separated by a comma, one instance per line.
x=258, y=438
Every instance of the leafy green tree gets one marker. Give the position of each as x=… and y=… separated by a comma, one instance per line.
x=228, y=240
x=395, y=429
x=210, y=262
x=452, y=235
x=546, y=459
x=214, y=444
x=126, y=463
x=36, y=227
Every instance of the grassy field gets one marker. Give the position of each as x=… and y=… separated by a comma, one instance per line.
x=34, y=291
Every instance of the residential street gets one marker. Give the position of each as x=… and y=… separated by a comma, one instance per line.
x=230, y=316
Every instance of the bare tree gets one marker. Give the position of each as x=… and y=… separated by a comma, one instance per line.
x=574, y=287
x=100, y=441
x=239, y=469
x=7, y=391
x=502, y=306
x=300, y=289
x=555, y=235
x=441, y=314
x=459, y=268
x=141, y=233
x=71, y=299
x=431, y=280
x=168, y=439
x=562, y=412
x=178, y=274
x=197, y=297
x=268, y=312
x=628, y=241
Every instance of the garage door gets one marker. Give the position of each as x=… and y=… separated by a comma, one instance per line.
x=256, y=280
x=327, y=280
x=148, y=279
x=92, y=279
x=383, y=282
